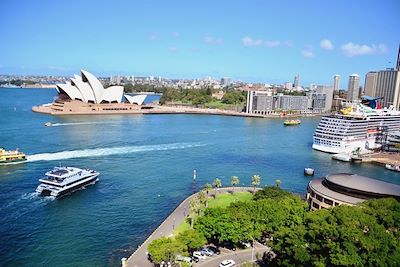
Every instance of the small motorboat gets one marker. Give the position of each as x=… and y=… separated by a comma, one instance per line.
x=309, y=171
x=393, y=167
x=48, y=124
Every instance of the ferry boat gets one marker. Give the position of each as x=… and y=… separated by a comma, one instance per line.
x=11, y=156
x=63, y=180
x=291, y=122
x=393, y=167
x=356, y=127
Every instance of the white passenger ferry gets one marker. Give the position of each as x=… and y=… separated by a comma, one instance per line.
x=62, y=180
x=355, y=128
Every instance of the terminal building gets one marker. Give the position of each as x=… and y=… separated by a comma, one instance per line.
x=349, y=189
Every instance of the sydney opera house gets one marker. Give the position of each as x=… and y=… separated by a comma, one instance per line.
x=86, y=95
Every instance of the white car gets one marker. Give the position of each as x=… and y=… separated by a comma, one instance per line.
x=199, y=255
x=227, y=263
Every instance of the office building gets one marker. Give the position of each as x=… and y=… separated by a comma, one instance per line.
x=353, y=87
x=388, y=87
x=296, y=82
x=264, y=103
x=295, y=103
x=328, y=91
x=336, y=83
x=225, y=81
x=318, y=102
x=370, y=83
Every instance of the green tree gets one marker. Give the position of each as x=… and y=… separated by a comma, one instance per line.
x=272, y=192
x=192, y=239
x=207, y=188
x=193, y=210
x=165, y=249
x=217, y=184
x=202, y=198
x=234, y=181
x=255, y=181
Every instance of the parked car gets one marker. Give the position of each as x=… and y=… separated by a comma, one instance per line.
x=214, y=249
x=227, y=263
x=206, y=251
x=199, y=255
x=195, y=259
x=183, y=258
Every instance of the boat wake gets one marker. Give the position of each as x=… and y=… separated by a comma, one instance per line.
x=99, y=152
x=80, y=123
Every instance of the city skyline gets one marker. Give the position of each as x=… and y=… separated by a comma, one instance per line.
x=254, y=42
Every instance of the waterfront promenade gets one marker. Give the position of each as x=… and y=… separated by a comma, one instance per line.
x=140, y=257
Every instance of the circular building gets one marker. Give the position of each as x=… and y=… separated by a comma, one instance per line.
x=345, y=188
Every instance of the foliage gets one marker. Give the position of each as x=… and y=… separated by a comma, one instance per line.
x=217, y=184
x=207, y=188
x=165, y=249
x=255, y=181
x=192, y=239
x=234, y=97
x=272, y=192
x=234, y=181
x=365, y=235
x=224, y=200
x=194, y=208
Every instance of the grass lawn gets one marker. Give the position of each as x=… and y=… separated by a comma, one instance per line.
x=222, y=200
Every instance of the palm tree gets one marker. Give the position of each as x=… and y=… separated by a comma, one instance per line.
x=278, y=183
x=217, y=184
x=202, y=198
x=255, y=181
x=234, y=181
x=193, y=210
x=207, y=188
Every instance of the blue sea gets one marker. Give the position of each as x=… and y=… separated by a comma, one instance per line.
x=146, y=164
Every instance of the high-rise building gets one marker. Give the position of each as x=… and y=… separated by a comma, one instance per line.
x=328, y=91
x=225, y=81
x=388, y=87
x=398, y=60
x=296, y=81
x=336, y=83
x=370, y=83
x=353, y=87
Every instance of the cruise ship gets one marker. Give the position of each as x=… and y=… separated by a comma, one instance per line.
x=356, y=128
x=63, y=180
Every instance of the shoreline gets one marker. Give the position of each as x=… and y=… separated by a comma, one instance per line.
x=125, y=108
x=139, y=257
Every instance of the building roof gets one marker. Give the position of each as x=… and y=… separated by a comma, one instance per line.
x=317, y=186
x=365, y=184
x=88, y=88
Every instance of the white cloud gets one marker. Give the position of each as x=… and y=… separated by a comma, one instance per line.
x=272, y=43
x=351, y=49
x=327, y=44
x=247, y=41
x=288, y=43
x=173, y=49
x=307, y=52
x=213, y=41
x=153, y=37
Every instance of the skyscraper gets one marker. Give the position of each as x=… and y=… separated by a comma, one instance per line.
x=328, y=91
x=296, y=81
x=388, y=87
x=398, y=59
x=353, y=87
x=336, y=82
x=370, y=83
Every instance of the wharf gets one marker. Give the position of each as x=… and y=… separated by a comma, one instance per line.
x=140, y=257
x=383, y=158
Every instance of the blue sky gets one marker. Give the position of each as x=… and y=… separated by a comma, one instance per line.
x=255, y=41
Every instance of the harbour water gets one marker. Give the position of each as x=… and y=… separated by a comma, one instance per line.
x=146, y=164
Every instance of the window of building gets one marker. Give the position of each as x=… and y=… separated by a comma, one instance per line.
x=328, y=201
x=319, y=197
x=315, y=205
